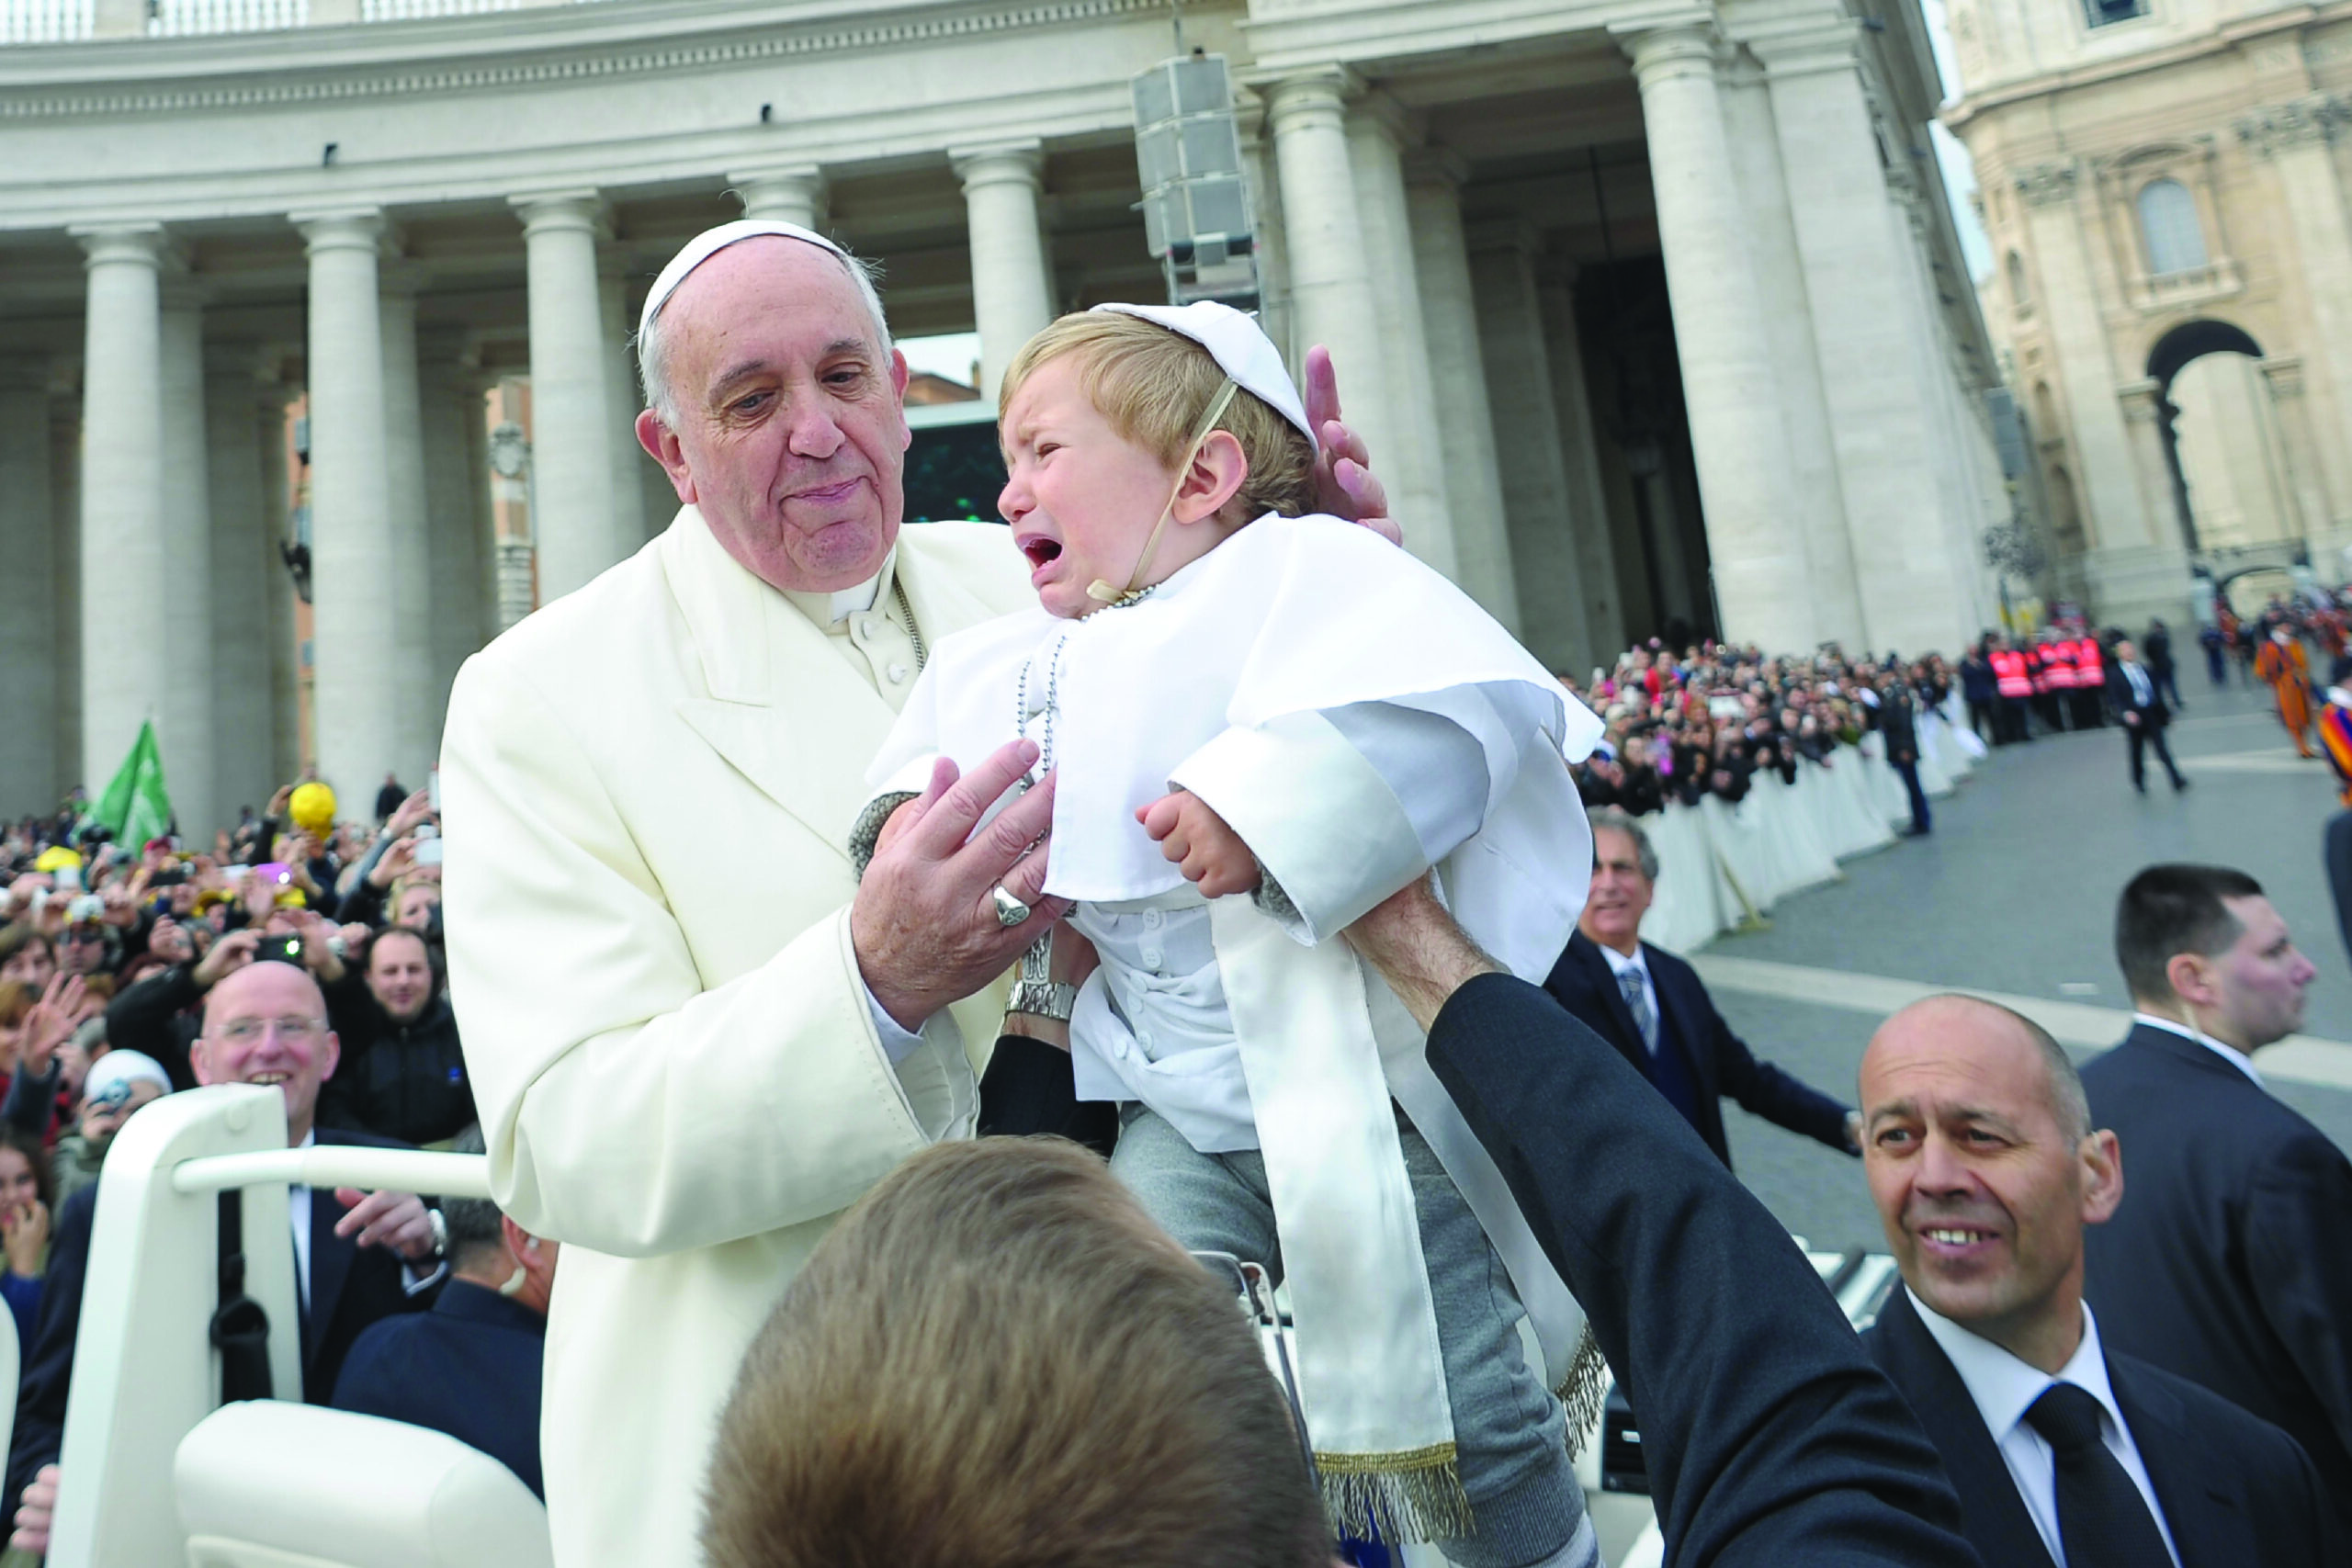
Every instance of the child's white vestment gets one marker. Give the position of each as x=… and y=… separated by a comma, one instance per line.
x=1357, y=720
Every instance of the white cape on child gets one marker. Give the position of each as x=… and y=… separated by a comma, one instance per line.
x=1201, y=686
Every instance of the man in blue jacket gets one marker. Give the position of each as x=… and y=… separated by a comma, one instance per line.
x=471, y=1366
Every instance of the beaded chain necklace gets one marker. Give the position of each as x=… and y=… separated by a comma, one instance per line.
x=1051, y=705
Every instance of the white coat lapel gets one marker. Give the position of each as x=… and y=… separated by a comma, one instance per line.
x=784, y=708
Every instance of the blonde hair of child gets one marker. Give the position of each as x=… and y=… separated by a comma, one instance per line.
x=1153, y=385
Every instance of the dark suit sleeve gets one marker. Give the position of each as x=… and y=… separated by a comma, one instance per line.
x=1763, y=1089
x=1028, y=1089
x=48, y=1359
x=1771, y=1437
x=2300, y=1270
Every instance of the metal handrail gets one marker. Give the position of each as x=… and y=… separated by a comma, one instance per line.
x=339, y=1165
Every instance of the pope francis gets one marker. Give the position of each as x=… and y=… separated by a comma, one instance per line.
x=694, y=1036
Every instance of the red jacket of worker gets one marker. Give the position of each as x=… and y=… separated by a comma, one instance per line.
x=2009, y=674
x=2090, y=672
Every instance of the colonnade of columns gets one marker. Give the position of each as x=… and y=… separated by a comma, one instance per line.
x=1456, y=346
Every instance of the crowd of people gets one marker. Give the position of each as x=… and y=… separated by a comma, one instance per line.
x=295, y=949
x=1712, y=721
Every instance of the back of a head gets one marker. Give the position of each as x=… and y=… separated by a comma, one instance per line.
x=2171, y=909
x=1153, y=385
x=996, y=1360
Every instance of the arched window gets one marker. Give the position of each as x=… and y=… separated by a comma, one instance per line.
x=2020, y=298
x=2168, y=220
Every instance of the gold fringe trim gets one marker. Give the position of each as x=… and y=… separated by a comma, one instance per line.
x=1584, y=1391
x=1415, y=1495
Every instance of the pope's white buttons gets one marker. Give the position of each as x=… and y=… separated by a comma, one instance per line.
x=1151, y=956
x=1151, y=919
x=865, y=628
x=898, y=675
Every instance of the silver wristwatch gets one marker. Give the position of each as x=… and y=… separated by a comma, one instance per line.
x=1037, y=992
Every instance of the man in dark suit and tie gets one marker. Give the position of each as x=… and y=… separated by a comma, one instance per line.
x=358, y=1259
x=472, y=1367
x=2138, y=701
x=1650, y=1005
x=2231, y=1265
x=1985, y=1168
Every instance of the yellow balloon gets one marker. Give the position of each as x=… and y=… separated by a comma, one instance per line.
x=57, y=857
x=312, y=807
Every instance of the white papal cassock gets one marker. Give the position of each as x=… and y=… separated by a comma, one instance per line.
x=648, y=788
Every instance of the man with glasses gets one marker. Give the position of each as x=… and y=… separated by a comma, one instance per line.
x=359, y=1259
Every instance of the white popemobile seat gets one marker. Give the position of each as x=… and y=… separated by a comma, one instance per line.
x=272, y=1484
x=155, y=1471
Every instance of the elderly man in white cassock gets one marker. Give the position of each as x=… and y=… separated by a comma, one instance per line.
x=695, y=1036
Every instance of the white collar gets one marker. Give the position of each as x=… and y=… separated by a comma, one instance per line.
x=2005, y=1387
x=2237, y=1060
x=1619, y=962
x=826, y=610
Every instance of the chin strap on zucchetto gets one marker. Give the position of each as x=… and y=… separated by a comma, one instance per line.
x=1100, y=590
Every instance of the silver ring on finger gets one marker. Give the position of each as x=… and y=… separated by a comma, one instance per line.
x=1010, y=910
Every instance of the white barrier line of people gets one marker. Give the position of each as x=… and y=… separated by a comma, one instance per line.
x=1722, y=865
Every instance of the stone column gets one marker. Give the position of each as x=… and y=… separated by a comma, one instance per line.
x=273, y=397
x=451, y=397
x=1333, y=301
x=1785, y=287
x=184, y=723
x=791, y=193
x=416, y=736
x=571, y=418
x=1763, y=590
x=622, y=398
x=354, y=704
x=245, y=750
x=1466, y=427
x=1597, y=582
x=488, y=561
x=1376, y=130
x=1535, y=495
x=2115, y=514
x=65, y=534
x=1271, y=253
x=2294, y=138
x=1013, y=293
x=28, y=594
x=126, y=657
x=2283, y=376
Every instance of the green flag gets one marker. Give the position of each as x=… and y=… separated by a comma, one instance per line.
x=136, y=806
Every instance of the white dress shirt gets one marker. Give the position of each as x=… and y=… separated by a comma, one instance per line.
x=2005, y=1389
x=2237, y=1060
x=1639, y=965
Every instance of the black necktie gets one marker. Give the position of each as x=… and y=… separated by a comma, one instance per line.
x=2103, y=1520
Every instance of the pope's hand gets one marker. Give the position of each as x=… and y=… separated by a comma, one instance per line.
x=925, y=925
x=1344, y=485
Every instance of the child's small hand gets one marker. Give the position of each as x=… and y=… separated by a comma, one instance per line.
x=1204, y=847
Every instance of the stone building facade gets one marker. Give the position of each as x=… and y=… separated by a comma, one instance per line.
x=1651, y=310
x=2165, y=187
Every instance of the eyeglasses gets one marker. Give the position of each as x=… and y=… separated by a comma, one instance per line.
x=1256, y=1292
x=250, y=1031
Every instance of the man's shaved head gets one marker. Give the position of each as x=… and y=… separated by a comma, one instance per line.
x=2068, y=1103
x=1977, y=1145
